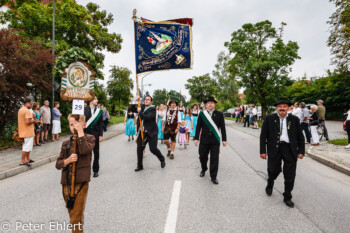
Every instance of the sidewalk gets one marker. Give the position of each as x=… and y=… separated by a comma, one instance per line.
x=336, y=157
x=46, y=153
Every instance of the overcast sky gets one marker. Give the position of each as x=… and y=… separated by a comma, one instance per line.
x=214, y=21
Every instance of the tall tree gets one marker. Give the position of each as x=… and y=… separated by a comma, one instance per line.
x=120, y=85
x=201, y=87
x=262, y=61
x=101, y=93
x=339, y=39
x=75, y=26
x=227, y=86
x=159, y=96
x=24, y=72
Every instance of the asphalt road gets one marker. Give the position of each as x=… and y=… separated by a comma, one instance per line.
x=121, y=200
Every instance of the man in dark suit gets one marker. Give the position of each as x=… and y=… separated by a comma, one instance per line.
x=147, y=112
x=94, y=126
x=282, y=135
x=208, y=125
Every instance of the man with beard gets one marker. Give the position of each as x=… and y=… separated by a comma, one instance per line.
x=94, y=126
x=147, y=113
x=282, y=135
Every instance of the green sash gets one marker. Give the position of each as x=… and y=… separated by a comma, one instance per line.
x=211, y=124
x=94, y=118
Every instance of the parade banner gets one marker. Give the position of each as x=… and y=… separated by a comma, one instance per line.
x=78, y=82
x=163, y=45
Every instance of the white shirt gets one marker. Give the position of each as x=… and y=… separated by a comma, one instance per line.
x=297, y=112
x=348, y=118
x=254, y=111
x=283, y=129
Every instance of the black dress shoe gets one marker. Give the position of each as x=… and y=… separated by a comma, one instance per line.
x=138, y=169
x=202, y=174
x=268, y=190
x=95, y=174
x=289, y=203
x=215, y=181
x=162, y=164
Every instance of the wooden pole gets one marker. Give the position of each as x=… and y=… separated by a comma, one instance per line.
x=137, y=80
x=139, y=104
x=74, y=164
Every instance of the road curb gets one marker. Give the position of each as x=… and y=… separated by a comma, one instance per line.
x=332, y=164
x=39, y=163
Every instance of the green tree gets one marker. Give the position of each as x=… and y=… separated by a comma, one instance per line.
x=201, y=87
x=172, y=94
x=119, y=86
x=101, y=93
x=75, y=26
x=339, y=39
x=262, y=61
x=159, y=96
x=227, y=86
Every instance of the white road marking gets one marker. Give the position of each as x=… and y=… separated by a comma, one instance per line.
x=170, y=224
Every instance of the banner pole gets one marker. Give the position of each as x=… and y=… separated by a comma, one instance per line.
x=137, y=78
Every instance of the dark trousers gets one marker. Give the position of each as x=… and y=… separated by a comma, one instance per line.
x=214, y=150
x=96, y=164
x=289, y=169
x=105, y=123
x=246, y=120
x=348, y=130
x=325, y=129
x=152, y=142
x=305, y=128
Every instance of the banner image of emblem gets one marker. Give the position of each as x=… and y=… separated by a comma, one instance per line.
x=78, y=82
x=162, y=46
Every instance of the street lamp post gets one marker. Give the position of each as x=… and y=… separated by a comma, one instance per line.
x=53, y=52
x=142, y=83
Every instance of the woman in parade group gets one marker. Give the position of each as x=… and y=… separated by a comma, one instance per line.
x=129, y=122
x=189, y=124
x=195, y=114
x=160, y=122
x=313, y=125
x=181, y=110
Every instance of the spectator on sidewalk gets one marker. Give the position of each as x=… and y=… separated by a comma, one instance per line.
x=46, y=116
x=239, y=112
x=254, y=114
x=26, y=131
x=297, y=110
x=304, y=122
x=37, y=126
x=313, y=125
x=56, y=121
x=105, y=118
x=246, y=116
x=348, y=128
x=322, y=117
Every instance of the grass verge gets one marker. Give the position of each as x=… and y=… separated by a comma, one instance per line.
x=339, y=142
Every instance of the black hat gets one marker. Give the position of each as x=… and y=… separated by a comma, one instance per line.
x=173, y=101
x=211, y=98
x=283, y=101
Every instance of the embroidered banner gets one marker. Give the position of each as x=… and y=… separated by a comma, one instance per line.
x=162, y=46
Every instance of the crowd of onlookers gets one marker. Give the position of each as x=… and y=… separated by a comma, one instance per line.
x=247, y=114
x=310, y=119
x=34, y=124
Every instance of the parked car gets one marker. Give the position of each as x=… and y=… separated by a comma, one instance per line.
x=231, y=112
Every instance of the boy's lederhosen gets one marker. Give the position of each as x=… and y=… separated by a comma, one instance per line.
x=169, y=129
x=76, y=214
